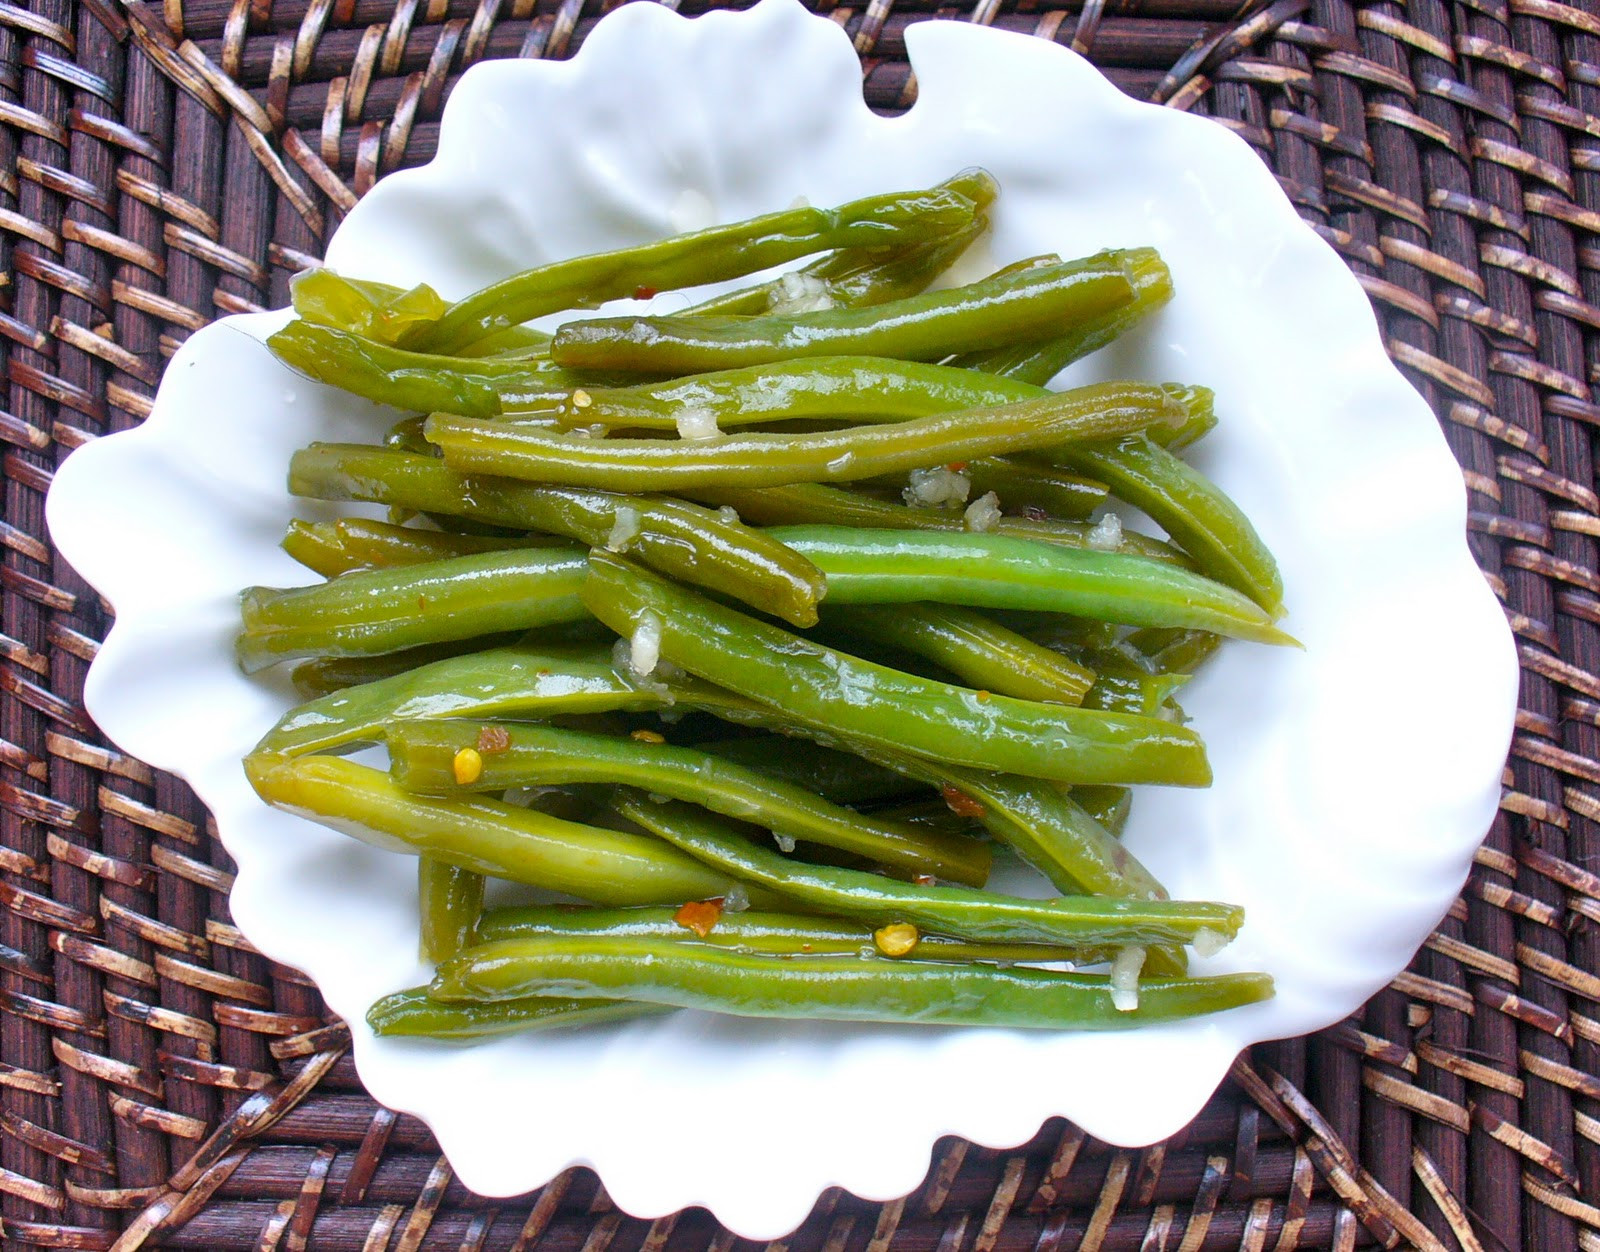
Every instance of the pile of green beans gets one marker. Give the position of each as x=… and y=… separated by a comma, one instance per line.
x=757, y=631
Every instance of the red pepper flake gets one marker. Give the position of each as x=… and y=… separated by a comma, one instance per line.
x=699, y=915
x=493, y=740
x=984, y=697
x=959, y=802
x=924, y=880
x=647, y=736
x=955, y=467
x=645, y=293
x=1034, y=513
x=422, y=603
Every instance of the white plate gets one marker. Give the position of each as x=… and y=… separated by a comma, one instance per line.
x=1353, y=780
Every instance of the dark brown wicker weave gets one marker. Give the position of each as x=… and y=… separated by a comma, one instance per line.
x=164, y=164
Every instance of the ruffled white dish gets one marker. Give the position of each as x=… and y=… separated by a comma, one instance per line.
x=1354, y=779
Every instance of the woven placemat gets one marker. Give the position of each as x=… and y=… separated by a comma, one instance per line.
x=164, y=164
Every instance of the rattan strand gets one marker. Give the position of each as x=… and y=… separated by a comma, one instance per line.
x=163, y=1085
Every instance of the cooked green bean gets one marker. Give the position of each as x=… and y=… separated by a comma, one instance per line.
x=878, y=705
x=352, y=543
x=841, y=777
x=766, y=934
x=961, y=912
x=486, y=836
x=1172, y=651
x=854, y=387
x=508, y=682
x=450, y=900
x=376, y=311
x=994, y=571
x=385, y=610
x=418, y=381
x=1197, y=514
x=414, y=1014
x=926, y=327
x=762, y=459
x=324, y=675
x=1107, y=805
x=725, y=981
x=813, y=504
x=1020, y=486
x=695, y=544
x=706, y=256
x=1038, y=363
x=423, y=758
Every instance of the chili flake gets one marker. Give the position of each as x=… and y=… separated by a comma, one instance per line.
x=699, y=916
x=959, y=802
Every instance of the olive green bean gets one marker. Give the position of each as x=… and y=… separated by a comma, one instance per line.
x=508, y=682
x=450, y=900
x=697, y=545
x=848, y=696
x=423, y=754
x=761, y=459
x=352, y=543
x=725, y=981
x=961, y=912
x=1109, y=806
x=486, y=836
x=841, y=777
x=385, y=610
x=1039, y=362
x=980, y=652
x=926, y=327
x=705, y=256
x=414, y=1014
x=995, y=571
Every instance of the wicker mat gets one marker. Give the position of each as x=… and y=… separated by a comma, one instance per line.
x=164, y=164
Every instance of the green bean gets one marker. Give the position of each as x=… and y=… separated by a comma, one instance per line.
x=760, y=459
x=827, y=988
x=765, y=934
x=352, y=543
x=854, y=387
x=1107, y=805
x=691, y=543
x=450, y=900
x=807, y=504
x=1038, y=363
x=1021, y=486
x=1145, y=695
x=1194, y=511
x=385, y=610
x=1043, y=825
x=376, y=311
x=961, y=912
x=994, y=571
x=1172, y=651
x=980, y=652
x=705, y=256
x=485, y=836
x=422, y=756
x=899, y=711
x=926, y=327
x=853, y=278
x=519, y=681
x=324, y=675
x=418, y=381
x=414, y=1014
x=841, y=777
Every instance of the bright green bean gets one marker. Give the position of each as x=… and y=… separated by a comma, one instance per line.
x=761, y=459
x=848, y=696
x=688, y=542
x=706, y=256
x=385, y=610
x=422, y=754
x=926, y=327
